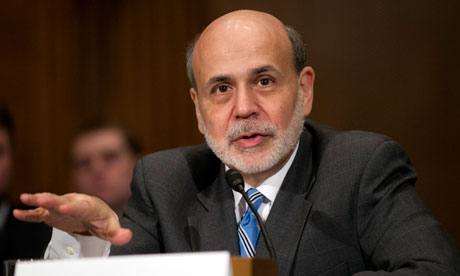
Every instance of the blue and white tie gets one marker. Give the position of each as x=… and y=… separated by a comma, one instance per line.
x=248, y=230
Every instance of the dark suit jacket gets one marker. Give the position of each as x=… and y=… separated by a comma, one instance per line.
x=346, y=205
x=22, y=240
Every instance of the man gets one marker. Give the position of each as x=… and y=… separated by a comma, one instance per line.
x=103, y=157
x=18, y=240
x=335, y=203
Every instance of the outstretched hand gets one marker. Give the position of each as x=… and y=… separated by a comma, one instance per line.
x=74, y=213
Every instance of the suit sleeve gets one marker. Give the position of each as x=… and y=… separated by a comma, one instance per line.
x=397, y=234
x=139, y=216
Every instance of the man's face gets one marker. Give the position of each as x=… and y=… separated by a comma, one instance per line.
x=250, y=102
x=5, y=160
x=103, y=165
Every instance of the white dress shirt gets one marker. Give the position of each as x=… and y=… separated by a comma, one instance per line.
x=65, y=245
x=269, y=188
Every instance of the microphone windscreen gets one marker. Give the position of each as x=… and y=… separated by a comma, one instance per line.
x=235, y=180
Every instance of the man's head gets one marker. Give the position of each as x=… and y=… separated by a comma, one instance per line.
x=103, y=157
x=6, y=148
x=251, y=91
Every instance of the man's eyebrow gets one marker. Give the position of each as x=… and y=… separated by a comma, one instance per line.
x=255, y=71
x=218, y=78
x=263, y=69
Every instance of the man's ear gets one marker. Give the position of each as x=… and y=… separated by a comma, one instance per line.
x=306, y=81
x=194, y=96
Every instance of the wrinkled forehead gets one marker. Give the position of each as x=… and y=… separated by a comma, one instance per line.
x=237, y=36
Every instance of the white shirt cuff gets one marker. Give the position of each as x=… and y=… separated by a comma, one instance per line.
x=65, y=245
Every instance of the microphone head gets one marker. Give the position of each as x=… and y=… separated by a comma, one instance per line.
x=235, y=180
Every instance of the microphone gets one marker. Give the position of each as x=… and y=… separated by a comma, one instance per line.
x=235, y=180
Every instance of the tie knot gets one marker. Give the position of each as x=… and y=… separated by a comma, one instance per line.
x=255, y=197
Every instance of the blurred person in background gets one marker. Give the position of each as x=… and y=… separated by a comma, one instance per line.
x=18, y=240
x=103, y=157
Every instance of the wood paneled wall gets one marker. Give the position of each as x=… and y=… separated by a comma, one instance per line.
x=381, y=66
x=66, y=61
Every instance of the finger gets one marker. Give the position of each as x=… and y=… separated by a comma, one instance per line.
x=121, y=236
x=46, y=200
x=35, y=215
x=29, y=199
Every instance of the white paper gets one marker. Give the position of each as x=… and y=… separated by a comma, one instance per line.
x=202, y=264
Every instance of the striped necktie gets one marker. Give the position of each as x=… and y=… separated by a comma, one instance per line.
x=248, y=230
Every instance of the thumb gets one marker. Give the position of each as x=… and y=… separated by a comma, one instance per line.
x=121, y=236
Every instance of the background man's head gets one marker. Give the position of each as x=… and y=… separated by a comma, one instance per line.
x=251, y=90
x=103, y=156
x=6, y=148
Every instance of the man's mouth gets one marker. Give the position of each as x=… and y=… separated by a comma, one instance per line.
x=249, y=140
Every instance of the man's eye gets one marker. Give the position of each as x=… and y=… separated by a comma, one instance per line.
x=110, y=157
x=221, y=88
x=264, y=82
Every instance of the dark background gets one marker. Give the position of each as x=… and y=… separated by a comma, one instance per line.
x=391, y=67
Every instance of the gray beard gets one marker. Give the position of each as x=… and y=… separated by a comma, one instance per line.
x=245, y=160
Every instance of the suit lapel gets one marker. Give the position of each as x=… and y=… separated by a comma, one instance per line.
x=214, y=228
x=290, y=210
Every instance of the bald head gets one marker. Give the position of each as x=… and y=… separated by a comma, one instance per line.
x=245, y=18
x=243, y=23
x=244, y=29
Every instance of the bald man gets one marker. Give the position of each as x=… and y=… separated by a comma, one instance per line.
x=334, y=203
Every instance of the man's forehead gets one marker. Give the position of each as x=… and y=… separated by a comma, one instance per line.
x=236, y=39
x=239, y=27
x=100, y=134
x=97, y=153
x=98, y=140
x=244, y=19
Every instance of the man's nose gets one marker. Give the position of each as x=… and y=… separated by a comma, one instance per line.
x=245, y=103
x=98, y=165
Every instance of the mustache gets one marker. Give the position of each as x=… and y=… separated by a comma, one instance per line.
x=250, y=126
